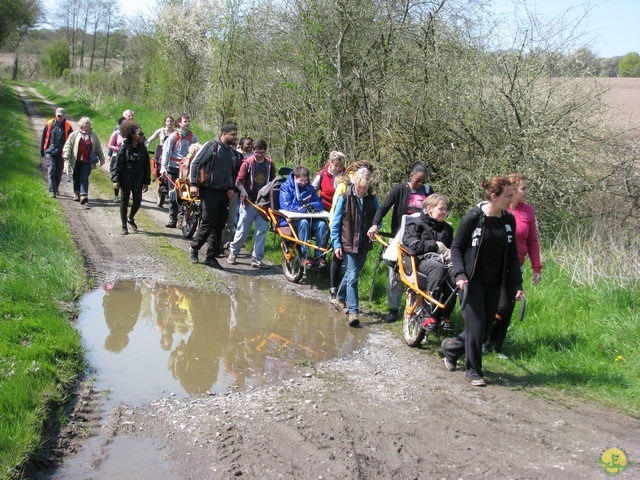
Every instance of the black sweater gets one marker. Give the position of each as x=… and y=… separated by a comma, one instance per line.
x=467, y=244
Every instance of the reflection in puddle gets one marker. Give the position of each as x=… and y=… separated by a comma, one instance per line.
x=148, y=340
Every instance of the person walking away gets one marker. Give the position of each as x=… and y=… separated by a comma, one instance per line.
x=297, y=195
x=327, y=179
x=351, y=241
x=83, y=152
x=430, y=234
x=220, y=158
x=255, y=172
x=113, y=148
x=528, y=244
x=485, y=256
x=131, y=172
x=406, y=198
x=54, y=136
x=175, y=148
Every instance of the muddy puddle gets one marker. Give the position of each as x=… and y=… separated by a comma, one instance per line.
x=148, y=340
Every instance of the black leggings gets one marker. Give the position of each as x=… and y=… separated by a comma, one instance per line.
x=136, y=196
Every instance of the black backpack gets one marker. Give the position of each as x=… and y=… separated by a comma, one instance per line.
x=269, y=195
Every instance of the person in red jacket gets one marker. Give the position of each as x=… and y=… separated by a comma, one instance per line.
x=256, y=171
x=528, y=244
x=54, y=135
x=327, y=179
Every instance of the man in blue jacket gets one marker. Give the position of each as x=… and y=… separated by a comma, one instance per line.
x=298, y=195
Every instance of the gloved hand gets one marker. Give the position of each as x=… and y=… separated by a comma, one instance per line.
x=441, y=247
x=446, y=256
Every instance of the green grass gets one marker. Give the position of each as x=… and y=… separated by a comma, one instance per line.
x=578, y=337
x=41, y=275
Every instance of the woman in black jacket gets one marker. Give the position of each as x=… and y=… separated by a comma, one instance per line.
x=406, y=198
x=485, y=256
x=131, y=172
x=430, y=234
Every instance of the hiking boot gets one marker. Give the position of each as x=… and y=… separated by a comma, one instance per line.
x=76, y=197
x=213, y=263
x=193, y=255
x=52, y=194
x=354, y=321
x=116, y=199
x=446, y=325
x=430, y=324
x=392, y=316
x=255, y=263
x=124, y=231
x=134, y=227
x=339, y=305
x=172, y=223
x=83, y=199
x=232, y=259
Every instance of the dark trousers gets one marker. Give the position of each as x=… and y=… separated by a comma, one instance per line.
x=478, y=313
x=437, y=273
x=215, y=208
x=127, y=193
x=173, y=204
x=55, y=166
x=500, y=326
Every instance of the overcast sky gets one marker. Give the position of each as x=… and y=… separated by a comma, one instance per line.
x=614, y=24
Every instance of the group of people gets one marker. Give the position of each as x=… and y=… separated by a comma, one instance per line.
x=484, y=258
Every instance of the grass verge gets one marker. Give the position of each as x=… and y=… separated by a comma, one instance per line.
x=41, y=274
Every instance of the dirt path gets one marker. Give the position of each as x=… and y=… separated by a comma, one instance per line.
x=386, y=411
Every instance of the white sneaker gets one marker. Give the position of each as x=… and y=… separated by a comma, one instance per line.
x=255, y=263
x=231, y=259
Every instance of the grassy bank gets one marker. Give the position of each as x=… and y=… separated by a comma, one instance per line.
x=577, y=337
x=41, y=275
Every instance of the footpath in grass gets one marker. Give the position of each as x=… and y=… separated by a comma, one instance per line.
x=41, y=275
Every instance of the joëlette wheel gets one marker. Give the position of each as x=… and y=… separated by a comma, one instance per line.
x=412, y=325
x=190, y=223
x=291, y=268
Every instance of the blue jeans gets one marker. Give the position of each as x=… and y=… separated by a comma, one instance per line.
x=81, y=172
x=305, y=226
x=348, y=288
x=249, y=214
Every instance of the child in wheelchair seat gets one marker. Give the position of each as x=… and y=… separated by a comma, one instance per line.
x=298, y=195
x=429, y=238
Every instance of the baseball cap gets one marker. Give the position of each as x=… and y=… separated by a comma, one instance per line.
x=60, y=111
